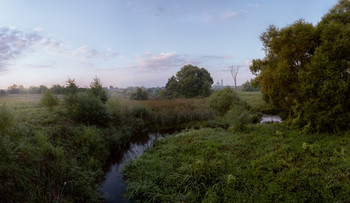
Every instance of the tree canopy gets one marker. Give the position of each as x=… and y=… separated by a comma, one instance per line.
x=306, y=71
x=189, y=82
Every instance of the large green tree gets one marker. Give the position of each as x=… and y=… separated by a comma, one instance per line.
x=306, y=70
x=189, y=82
x=325, y=83
x=288, y=50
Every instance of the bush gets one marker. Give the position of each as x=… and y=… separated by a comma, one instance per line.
x=90, y=111
x=223, y=100
x=49, y=100
x=238, y=118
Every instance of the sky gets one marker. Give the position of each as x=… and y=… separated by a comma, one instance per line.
x=138, y=42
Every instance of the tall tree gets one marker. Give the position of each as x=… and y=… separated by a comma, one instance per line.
x=189, y=82
x=288, y=50
x=306, y=70
x=324, y=101
x=97, y=90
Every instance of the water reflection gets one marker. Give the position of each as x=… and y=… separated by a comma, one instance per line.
x=113, y=186
x=270, y=119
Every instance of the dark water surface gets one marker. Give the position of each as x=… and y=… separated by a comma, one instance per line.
x=113, y=186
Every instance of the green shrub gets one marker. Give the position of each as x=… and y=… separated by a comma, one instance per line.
x=89, y=110
x=49, y=100
x=238, y=118
x=222, y=100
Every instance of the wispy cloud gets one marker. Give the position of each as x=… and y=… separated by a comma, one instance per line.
x=13, y=43
x=246, y=64
x=254, y=5
x=216, y=57
x=162, y=61
x=86, y=52
x=43, y=65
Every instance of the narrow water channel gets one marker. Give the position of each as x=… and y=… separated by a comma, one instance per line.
x=113, y=186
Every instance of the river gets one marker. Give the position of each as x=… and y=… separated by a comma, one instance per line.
x=113, y=186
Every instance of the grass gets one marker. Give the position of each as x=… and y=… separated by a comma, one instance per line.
x=267, y=163
x=48, y=156
x=55, y=158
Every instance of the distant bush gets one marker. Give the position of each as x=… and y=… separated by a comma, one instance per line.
x=248, y=87
x=49, y=100
x=140, y=94
x=3, y=93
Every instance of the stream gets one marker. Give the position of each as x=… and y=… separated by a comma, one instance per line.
x=113, y=186
x=270, y=119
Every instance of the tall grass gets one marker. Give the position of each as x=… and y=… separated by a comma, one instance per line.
x=268, y=163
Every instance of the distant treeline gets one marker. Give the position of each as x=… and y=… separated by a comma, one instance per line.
x=140, y=93
x=20, y=89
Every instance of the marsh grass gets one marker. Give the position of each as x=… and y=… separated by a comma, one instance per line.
x=173, y=114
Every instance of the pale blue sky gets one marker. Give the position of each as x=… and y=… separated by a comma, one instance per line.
x=137, y=42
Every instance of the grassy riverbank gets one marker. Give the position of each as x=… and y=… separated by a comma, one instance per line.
x=263, y=164
x=55, y=157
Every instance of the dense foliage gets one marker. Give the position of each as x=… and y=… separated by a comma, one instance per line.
x=189, y=82
x=306, y=70
x=269, y=163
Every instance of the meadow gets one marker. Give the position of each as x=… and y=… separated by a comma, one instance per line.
x=55, y=157
x=232, y=160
